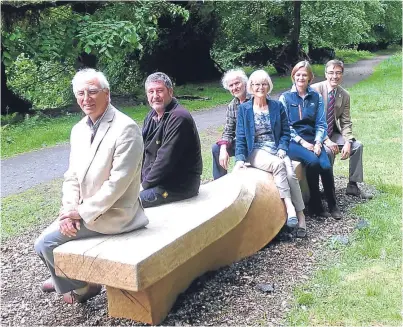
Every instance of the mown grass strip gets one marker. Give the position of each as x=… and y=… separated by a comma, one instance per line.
x=361, y=283
x=21, y=211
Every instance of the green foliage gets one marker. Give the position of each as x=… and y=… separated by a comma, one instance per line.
x=45, y=84
x=125, y=74
x=250, y=69
x=43, y=51
x=345, y=23
x=336, y=24
x=247, y=28
x=40, y=49
x=107, y=37
x=389, y=29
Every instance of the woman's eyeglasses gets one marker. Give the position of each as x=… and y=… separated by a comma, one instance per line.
x=260, y=84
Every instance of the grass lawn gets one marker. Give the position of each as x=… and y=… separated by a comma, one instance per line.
x=350, y=56
x=34, y=133
x=361, y=284
x=30, y=208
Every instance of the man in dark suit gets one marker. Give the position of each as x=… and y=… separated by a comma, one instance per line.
x=172, y=163
x=340, y=136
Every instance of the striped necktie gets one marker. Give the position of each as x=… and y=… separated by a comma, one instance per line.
x=330, y=112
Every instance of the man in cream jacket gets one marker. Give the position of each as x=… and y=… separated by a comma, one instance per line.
x=101, y=187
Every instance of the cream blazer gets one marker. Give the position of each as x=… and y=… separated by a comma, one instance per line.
x=103, y=179
x=341, y=108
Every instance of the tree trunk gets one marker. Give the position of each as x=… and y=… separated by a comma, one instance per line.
x=296, y=28
x=291, y=53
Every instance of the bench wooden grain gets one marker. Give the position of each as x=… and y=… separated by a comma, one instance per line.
x=145, y=270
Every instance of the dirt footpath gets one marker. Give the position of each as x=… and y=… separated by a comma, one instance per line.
x=30, y=169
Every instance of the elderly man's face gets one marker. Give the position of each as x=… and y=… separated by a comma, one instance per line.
x=334, y=75
x=92, y=99
x=158, y=96
x=237, y=87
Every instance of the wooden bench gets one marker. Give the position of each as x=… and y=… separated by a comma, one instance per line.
x=145, y=270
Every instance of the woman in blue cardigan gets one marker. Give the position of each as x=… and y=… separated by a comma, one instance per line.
x=262, y=138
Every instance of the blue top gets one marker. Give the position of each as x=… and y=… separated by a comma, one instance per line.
x=306, y=116
x=245, y=128
x=264, y=139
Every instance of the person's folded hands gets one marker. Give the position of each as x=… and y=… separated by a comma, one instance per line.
x=281, y=153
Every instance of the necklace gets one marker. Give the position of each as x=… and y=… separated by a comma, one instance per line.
x=260, y=109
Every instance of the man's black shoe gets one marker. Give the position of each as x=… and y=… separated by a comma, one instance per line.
x=336, y=213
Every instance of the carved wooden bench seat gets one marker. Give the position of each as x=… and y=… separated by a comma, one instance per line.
x=145, y=270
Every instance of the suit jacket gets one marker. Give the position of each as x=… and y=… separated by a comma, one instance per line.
x=341, y=108
x=245, y=128
x=103, y=179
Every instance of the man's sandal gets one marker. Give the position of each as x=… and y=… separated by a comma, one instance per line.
x=301, y=232
x=71, y=297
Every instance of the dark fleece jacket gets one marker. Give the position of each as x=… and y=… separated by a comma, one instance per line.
x=172, y=155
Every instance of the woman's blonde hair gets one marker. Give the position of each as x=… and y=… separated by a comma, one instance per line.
x=259, y=76
x=308, y=68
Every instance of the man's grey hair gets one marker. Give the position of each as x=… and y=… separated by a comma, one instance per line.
x=333, y=63
x=159, y=78
x=259, y=76
x=87, y=74
x=232, y=74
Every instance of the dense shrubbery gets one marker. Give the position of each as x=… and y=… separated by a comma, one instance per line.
x=44, y=43
x=46, y=85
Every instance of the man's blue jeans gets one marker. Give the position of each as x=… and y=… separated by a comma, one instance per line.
x=219, y=171
x=159, y=195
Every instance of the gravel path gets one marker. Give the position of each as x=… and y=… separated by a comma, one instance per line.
x=29, y=169
x=228, y=296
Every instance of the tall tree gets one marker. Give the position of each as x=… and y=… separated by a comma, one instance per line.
x=259, y=33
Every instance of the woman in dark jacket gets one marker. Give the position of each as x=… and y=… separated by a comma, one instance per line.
x=262, y=138
x=307, y=120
